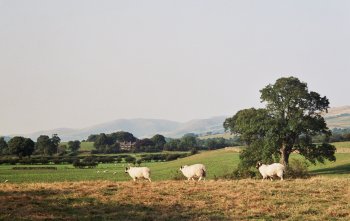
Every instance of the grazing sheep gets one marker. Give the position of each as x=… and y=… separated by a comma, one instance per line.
x=138, y=172
x=195, y=170
x=114, y=173
x=105, y=171
x=5, y=181
x=268, y=171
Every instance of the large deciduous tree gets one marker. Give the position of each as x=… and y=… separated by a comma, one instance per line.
x=74, y=145
x=46, y=145
x=292, y=116
x=159, y=141
x=21, y=146
x=122, y=136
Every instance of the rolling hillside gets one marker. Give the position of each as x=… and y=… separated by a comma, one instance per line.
x=140, y=128
x=338, y=117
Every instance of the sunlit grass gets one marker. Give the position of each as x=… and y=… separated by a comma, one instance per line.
x=218, y=162
x=318, y=198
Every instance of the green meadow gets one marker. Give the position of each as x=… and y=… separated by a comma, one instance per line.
x=218, y=163
x=107, y=193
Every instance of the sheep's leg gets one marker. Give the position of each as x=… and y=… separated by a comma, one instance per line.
x=199, y=178
x=149, y=180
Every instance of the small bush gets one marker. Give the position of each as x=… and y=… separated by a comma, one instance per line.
x=177, y=175
x=73, y=154
x=170, y=157
x=95, y=152
x=130, y=159
x=13, y=161
x=297, y=169
x=56, y=161
x=84, y=164
x=194, y=151
x=118, y=159
x=138, y=162
x=240, y=173
x=69, y=160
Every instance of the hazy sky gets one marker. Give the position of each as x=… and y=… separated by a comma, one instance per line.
x=79, y=63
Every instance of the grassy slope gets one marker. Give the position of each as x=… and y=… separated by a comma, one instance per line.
x=312, y=199
x=84, y=146
x=223, y=135
x=217, y=162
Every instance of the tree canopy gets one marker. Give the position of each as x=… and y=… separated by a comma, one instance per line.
x=292, y=116
x=3, y=145
x=21, y=146
x=46, y=145
x=159, y=141
x=74, y=145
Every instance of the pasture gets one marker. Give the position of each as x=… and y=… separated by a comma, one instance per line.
x=218, y=163
x=92, y=194
x=318, y=198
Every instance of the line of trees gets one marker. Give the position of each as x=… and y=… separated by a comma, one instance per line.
x=44, y=146
x=125, y=142
x=117, y=142
x=22, y=147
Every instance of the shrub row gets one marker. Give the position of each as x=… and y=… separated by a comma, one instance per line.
x=162, y=157
x=59, y=160
x=100, y=159
x=34, y=168
x=85, y=164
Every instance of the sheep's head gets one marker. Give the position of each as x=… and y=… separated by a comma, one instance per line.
x=127, y=169
x=258, y=164
x=182, y=167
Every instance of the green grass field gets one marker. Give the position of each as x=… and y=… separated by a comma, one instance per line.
x=84, y=194
x=218, y=162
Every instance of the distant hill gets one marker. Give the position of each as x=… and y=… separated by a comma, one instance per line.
x=139, y=127
x=338, y=117
x=199, y=126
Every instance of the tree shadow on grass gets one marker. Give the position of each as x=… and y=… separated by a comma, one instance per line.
x=45, y=204
x=343, y=169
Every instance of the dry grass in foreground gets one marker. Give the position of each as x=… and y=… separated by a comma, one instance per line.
x=314, y=199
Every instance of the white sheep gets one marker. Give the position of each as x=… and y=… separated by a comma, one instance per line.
x=195, y=170
x=138, y=172
x=268, y=171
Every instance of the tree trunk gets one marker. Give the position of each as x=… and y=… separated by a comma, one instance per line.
x=284, y=155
